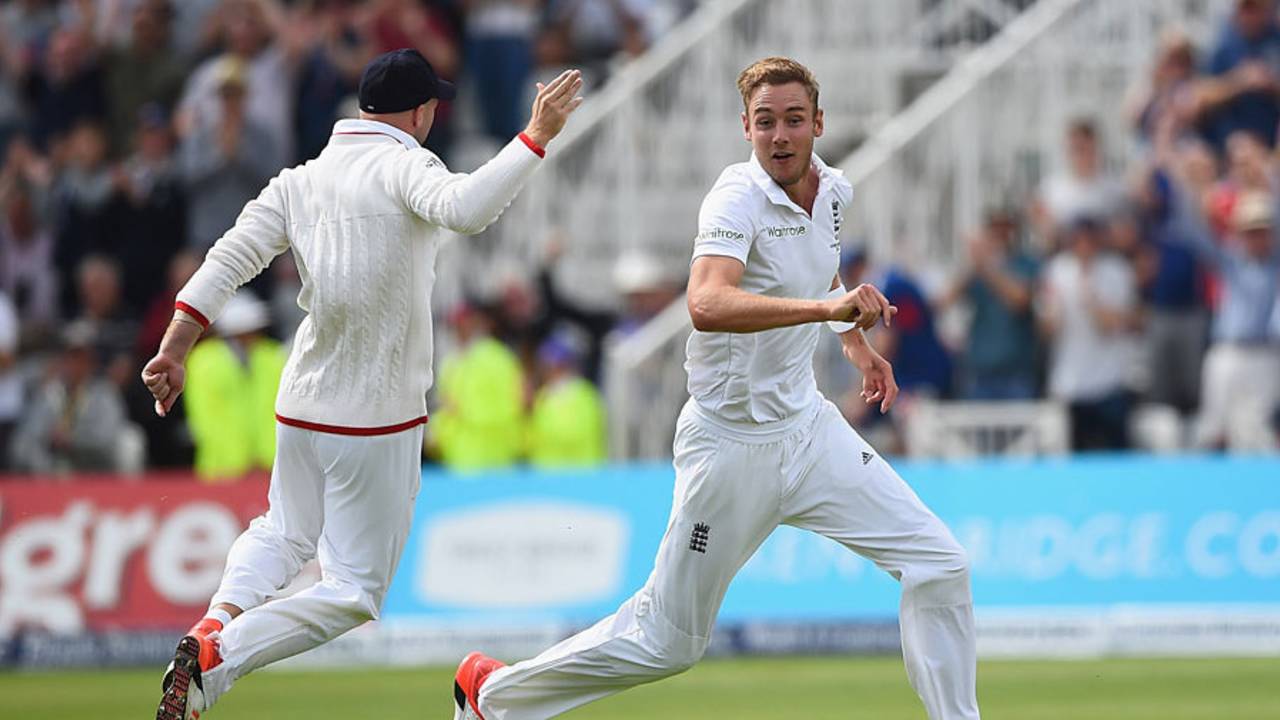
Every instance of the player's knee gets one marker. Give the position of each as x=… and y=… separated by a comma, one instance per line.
x=353, y=604
x=941, y=577
x=679, y=656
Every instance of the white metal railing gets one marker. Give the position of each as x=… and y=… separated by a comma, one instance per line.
x=984, y=134
x=971, y=429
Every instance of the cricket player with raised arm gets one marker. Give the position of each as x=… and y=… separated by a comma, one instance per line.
x=757, y=446
x=364, y=220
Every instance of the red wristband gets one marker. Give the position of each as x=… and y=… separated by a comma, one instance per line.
x=199, y=316
x=535, y=147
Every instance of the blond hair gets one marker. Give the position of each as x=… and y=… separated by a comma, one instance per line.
x=775, y=71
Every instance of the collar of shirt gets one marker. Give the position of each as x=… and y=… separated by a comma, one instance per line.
x=827, y=176
x=373, y=127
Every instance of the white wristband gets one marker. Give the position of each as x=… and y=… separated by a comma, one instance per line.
x=836, y=326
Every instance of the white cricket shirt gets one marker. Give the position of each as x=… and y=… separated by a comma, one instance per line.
x=766, y=376
x=365, y=220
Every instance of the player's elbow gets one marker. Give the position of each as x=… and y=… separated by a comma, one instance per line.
x=473, y=224
x=703, y=312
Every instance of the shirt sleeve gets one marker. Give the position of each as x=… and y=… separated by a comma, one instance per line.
x=724, y=225
x=465, y=202
x=238, y=256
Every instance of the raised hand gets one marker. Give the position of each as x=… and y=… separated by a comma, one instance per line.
x=553, y=105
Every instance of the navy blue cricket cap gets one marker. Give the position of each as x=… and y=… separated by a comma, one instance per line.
x=401, y=80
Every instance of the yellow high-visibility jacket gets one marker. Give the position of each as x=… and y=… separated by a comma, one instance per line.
x=567, y=428
x=231, y=406
x=481, y=422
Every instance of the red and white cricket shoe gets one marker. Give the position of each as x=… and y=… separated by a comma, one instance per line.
x=472, y=672
x=182, y=687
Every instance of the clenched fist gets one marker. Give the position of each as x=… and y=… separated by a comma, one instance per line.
x=862, y=306
x=165, y=378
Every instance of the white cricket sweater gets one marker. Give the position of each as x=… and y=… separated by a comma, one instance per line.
x=365, y=221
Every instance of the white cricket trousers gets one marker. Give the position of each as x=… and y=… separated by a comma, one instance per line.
x=346, y=500
x=734, y=485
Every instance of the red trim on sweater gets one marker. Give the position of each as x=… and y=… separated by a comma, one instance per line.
x=535, y=147
x=393, y=137
x=347, y=430
x=199, y=316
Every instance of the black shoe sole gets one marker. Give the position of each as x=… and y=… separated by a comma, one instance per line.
x=186, y=670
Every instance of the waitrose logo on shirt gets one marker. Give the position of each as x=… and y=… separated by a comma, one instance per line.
x=785, y=231
x=720, y=234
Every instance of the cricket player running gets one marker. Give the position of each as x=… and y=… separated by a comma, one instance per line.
x=757, y=446
x=364, y=221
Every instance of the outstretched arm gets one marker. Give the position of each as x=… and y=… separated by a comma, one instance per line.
x=469, y=202
x=717, y=304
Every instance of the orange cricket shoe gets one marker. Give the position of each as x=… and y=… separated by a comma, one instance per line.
x=472, y=672
x=183, y=689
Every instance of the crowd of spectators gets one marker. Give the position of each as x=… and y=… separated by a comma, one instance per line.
x=1143, y=295
x=132, y=132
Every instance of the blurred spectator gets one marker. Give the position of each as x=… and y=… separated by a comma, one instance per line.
x=1171, y=283
x=921, y=364
x=1245, y=70
x=1248, y=170
x=25, y=168
x=151, y=220
x=227, y=159
x=27, y=24
x=522, y=320
x=77, y=419
x=145, y=71
x=1000, y=355
x=82, y=198
x=499, y=53
x=158, y=312
x=590, y=33
x=480, y=422
x=114, y=328
x=66, y=89
x=1083, y=188
x=263, y=74
x=27, y=274
x=567, y=424
x=197, y=26
x=1171, y=89
x=332, y=54
x=1089, y=311
x=1241, y=384
x=232, y=381
x=10, y=379
x=646, y=289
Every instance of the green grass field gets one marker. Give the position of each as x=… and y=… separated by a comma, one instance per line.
x=872, y=688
